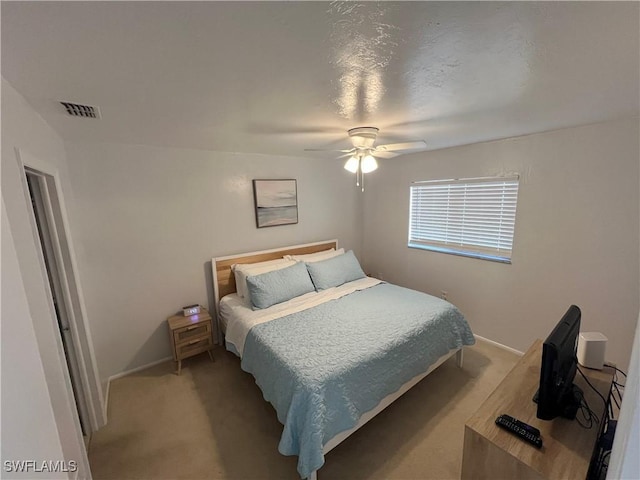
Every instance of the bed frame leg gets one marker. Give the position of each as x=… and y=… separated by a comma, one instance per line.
x=459, y=358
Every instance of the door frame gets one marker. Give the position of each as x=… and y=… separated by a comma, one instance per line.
x=71, y=288
x=59, y=285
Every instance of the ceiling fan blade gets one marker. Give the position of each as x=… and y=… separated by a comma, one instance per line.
x=383, y=154
x=394, y=147
x=327, y=150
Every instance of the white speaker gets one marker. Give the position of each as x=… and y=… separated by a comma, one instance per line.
x=591, y=349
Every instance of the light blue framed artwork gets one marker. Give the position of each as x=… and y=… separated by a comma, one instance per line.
x=276, y=202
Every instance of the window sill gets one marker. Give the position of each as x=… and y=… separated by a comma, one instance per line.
x=460, y=253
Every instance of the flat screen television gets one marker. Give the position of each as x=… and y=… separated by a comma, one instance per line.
x=557, y=396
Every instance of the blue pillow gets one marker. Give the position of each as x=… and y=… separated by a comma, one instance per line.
x=278, y=286
x=335, y=271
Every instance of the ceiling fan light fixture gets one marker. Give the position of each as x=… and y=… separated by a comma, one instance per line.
x=352, y=164
x=361, y=159
x=369, y=164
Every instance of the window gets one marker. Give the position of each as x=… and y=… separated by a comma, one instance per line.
x=474, y=217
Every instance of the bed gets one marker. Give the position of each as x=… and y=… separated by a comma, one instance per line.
x=332, y=355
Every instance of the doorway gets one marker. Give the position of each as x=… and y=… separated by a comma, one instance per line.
x=50, y=233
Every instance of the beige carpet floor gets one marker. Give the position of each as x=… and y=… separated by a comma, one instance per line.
x=212, y=423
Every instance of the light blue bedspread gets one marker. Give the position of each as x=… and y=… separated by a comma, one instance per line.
x=324, y=367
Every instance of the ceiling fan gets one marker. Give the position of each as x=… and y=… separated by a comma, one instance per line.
x=362, y=156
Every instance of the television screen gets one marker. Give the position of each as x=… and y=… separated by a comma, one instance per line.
x=557, y=395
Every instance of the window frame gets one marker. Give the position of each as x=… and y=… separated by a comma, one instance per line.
x=491, y=235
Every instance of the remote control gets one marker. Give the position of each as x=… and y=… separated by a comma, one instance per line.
x=520, y=424
x=514, y=426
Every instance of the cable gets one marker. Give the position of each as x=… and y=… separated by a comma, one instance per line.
x=615, y=400
x=608, y=420
x=605, y=440
x=615, y=389
x=593, y=388
x=588, y=414
x=618, y=370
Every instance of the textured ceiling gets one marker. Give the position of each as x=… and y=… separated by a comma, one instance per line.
x=278, y=77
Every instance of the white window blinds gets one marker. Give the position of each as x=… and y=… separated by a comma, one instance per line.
x=472, y=217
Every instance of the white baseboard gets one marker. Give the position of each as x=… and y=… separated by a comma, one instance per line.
x=106, y=403
x=499, y=345
x=124, y=374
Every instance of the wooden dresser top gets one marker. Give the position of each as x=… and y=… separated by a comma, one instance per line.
x=567, y=447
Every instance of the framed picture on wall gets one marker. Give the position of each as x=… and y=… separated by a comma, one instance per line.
x=276, y=202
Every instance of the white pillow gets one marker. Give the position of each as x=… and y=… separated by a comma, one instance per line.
x=242, y=270
x=316, y=257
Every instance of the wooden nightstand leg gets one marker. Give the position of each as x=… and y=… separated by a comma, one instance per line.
x=211, y=356
x=179, y=366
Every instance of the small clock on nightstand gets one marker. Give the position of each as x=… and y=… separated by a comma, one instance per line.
x=191, y=310
x=190, y=334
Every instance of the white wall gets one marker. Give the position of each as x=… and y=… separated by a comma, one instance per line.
x=149, y=220
x=576, y=237
x=23, y=129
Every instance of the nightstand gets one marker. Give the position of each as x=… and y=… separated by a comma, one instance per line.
x=190, y=336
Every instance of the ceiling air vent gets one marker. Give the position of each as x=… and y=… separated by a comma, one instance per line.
x=76, y=110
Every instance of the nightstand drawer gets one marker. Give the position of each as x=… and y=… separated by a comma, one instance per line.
x=193, y=347
x=186, y=334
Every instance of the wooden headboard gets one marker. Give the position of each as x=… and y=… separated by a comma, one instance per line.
x=224, y=281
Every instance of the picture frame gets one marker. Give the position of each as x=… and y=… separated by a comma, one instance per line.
x=276, y=202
